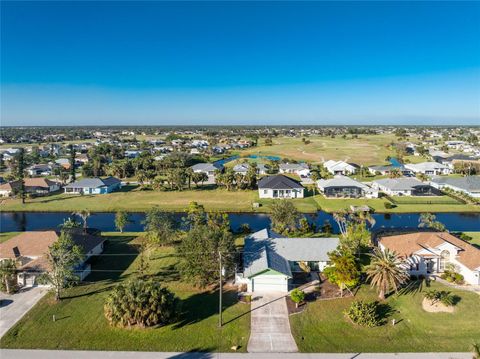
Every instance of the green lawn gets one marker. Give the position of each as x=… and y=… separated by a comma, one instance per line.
x=475, y=237
x=7, y=235
x=365, y=150
x=81, y=324
x=426, y=200
x=322, y=327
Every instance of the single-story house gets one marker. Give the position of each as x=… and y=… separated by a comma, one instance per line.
x=342, y=186
x=207, y=168
x=279, y=186
x=29, y=249
x=469, y=185
x=64, y=162
x=429, y=253
x=429, y=168
x=300, y=169
x=40, y=185
x=270, y=260
x=404, y=186
x=95, y=185
x=132, y=153
x=40, y=170
x=243, y=168
x=32, y=185
x=339, y=167
x=385, y=170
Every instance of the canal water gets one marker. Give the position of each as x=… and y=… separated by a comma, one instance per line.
x=31, y=221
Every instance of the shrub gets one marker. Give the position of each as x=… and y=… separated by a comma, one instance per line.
x=452, y=277
x=389, y=205
x=140, y=303
x=442, y=296
x=297, y=296
x=364, y=313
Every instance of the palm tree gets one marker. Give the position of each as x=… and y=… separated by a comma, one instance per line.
x=386, y=271
x=8, y=268
x=395, y=173
x=83, y=214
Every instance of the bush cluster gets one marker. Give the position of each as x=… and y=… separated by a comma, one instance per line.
x=364, y=313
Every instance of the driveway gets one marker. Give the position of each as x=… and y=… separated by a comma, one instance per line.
x=15, y=306
x=270, y=327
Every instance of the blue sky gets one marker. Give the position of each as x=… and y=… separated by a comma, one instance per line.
x=240, y=63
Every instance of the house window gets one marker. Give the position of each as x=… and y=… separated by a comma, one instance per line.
x=444, y=257
x=265, y=191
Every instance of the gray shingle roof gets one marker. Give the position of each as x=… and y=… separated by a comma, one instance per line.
x=278, y=182
x=207, y=167
x=400, y=184
x=94, y=182
x=261, y=253
x=468, y=183
x=340, y=181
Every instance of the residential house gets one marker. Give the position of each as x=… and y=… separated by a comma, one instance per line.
x=64, y=162
x=404, y=186
x=300, y=169
x=132, y=154
x=339, y=168
x=342, y=186
x=37, y=186
x=207, y=168
x=469, y=185
x=386, y=170
x=429, y=253
x=429, y=168
x=95, y=185
x=243, y=168
x=30, y=249
x=270, y=261
x=40, y=170
x=10, y=189
x=279, y=186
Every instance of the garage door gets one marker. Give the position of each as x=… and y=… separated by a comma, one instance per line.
x=269, y=284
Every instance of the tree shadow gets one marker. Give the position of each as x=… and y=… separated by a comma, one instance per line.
x=196, y=353
x=413, y=287
x=5, y=302
x=384, y=311
x=203, y=305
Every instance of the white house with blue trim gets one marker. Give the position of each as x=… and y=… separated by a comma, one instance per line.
x=95, y=185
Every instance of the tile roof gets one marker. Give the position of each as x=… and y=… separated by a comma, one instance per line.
x=407, y=244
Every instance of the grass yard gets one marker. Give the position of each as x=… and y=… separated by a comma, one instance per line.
x=365, y=150
x=426, y=200
x=475, y=238
x=322, y=327
x=137, y=200
x=81, y=323
x=7, y=235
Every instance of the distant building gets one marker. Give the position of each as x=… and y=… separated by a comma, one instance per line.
x=300, y=169
x=429, y=168
x=339, y=168
x=93, y=185
x=207, y=168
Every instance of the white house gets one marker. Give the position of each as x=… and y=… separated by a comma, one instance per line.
x=385, y=170
x=339, y=168
x=95, y=185
x=271, y=260
x=29, y=249
x=406, y=186
x=429, y=168
x=207, y=168
x=429, y=253
x=279, y=186
x=469, y=185
x=342, y=186
x=300, y=169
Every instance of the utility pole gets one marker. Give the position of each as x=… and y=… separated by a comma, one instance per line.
x=220, y=291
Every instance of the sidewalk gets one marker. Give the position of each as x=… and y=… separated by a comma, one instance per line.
x=60, y=354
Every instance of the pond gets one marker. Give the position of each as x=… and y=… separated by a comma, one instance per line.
x=30, y=221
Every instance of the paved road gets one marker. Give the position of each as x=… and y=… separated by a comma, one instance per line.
x=270, y=326
x=15, y=306
x=60, y=354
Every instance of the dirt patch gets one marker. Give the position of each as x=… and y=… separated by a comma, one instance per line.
x=437, y=307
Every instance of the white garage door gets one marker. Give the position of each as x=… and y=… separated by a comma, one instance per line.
x=270, y=284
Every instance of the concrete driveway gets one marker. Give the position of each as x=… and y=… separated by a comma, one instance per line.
x=14, y=306
x=270, y=327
